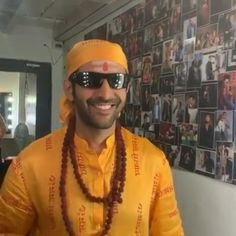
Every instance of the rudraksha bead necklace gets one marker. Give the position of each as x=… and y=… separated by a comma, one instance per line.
x=117, y=181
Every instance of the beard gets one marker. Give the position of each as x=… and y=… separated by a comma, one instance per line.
x=85, y=111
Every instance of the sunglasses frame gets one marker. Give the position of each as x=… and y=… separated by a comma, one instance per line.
x=94, y=80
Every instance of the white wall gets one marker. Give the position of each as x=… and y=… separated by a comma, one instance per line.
x=27, y=43
x=207, y=206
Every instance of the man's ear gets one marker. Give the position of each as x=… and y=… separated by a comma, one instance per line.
x=68, y=90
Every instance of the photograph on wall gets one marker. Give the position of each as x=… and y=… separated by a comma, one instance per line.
x=224, y=126
x=190, y=28
x=180, y=71
x=151, y=11
x=126, y=21
x=209, y=67
x=234, y=131
x=114, y=27
x=136, y=91
x=188, y=134
x=157, y=55
x=178, y=108
x=161, y=31
x=227, y=30
x=187, y=158
x=168, y=56
x=135, y=67
x=191, y=107
x=219, y=6
x=166, y=105
x=221, y=57
x=178, y=48
x=224, y=161
x=167, y=84
x=137, y=116
x=155, y=82
x=189, y=5
x=195, y=72
x=148, y=39
x=130, y=19
x=206, y=130
x=156, y=109
x=123, y=41
x=208, y=95
x=207, y=39
x=227, y=91
x=189, y=49
x=234, y=170
x=205, y=162
x=231, y=59
x=175, y=18
x=138, y=13
x=126, y=116
x=173, y=155
x=203, y=12
x=147, y=69
x=167, y=133
x=146, y=98
x=135, y=44
x=146, y=120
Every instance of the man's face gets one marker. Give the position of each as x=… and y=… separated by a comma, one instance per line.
x=99, y=108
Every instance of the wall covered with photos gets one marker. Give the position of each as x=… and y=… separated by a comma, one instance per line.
x=182, y=56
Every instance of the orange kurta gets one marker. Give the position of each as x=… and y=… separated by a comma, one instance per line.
x=29, y=197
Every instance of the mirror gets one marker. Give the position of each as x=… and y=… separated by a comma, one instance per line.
x=25, y=103
x=18, y=109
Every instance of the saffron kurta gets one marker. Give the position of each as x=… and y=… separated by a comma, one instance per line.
x=29, y=197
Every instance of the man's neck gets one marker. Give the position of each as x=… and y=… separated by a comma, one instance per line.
x=96, y=138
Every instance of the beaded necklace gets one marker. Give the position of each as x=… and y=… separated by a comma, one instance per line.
x=117, y=181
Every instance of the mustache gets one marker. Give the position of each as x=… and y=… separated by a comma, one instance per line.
x=99, y=100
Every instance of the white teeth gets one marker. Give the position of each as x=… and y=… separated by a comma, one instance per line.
x=103, y=106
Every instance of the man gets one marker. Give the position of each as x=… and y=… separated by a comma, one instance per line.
x=91, y=177
x=209, y=68
x=191, y=28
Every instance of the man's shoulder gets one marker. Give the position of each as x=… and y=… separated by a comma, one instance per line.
x=43, y=146
x=48, y=139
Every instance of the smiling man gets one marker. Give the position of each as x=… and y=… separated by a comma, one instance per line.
x=91, y=177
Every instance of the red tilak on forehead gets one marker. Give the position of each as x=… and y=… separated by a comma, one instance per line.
x=105, y=66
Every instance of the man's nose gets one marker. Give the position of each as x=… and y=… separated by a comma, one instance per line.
x=105, y=90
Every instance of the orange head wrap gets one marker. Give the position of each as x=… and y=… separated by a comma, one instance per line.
x=84, y=52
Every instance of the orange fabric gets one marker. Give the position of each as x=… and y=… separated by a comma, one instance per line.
x=94, y=50
x=29, y=198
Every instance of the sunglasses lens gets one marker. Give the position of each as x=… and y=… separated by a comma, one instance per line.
x=94, y=80
x=118, y=81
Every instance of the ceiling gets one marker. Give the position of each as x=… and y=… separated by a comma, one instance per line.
x=65, y=17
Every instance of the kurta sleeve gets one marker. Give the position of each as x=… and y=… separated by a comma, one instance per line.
x=165, y=220
x=16, y=210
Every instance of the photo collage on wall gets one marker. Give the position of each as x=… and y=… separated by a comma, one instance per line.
x=182, y=59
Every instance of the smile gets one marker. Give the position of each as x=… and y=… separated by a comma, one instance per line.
x=104, y=106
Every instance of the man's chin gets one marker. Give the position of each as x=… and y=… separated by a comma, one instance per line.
x=103, y=123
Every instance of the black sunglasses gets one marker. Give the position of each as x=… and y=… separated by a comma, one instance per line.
x=94, y=79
